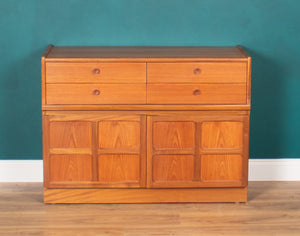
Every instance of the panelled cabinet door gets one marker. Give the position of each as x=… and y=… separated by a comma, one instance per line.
x=197, y=151
x=70, y=155
x=94, y=150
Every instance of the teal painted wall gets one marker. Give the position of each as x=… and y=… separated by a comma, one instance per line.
x=269, y=30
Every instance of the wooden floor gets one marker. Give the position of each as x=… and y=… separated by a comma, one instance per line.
x=273, y=209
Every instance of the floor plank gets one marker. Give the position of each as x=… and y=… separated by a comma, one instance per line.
x=273, y=209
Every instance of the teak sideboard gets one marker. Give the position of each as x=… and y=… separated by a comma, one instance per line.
x=145, y=124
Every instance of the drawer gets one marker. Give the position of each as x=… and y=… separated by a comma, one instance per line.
x=95, y=72
x=210, y=72
x=196, y=93
x=95, y=94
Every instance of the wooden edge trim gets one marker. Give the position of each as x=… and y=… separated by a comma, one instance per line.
x=146, y=107
x=249, y=66
x=43, y=73
x=240, y=48
x=46, y=154
x=145, y=195
x=47, y=51
x=143, y=149
x=149, y=150
x=94, y=150
x=97, y=59
x=249, y=59
x=245, y=154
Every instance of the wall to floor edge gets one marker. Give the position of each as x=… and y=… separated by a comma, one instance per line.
x=259, y=170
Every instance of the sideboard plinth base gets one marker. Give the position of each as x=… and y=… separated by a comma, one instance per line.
x=145, y=195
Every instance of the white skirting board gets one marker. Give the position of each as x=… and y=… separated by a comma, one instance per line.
x=259, y=170
x=274, y=169
x=21, y=171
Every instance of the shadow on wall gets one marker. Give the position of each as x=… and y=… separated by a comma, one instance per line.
x=20, y=121
x=267, y=104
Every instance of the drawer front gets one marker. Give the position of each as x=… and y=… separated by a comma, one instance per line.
x=95, y=94
x=211, y=72
x=196, y=93
x=95, y=72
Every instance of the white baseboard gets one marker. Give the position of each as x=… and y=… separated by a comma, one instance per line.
x=274, y=169
x=259, y=170
x=21, y=171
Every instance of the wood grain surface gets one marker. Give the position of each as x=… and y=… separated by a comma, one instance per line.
x=138, y=195
x=143, y=107
x=222, y=167
x=70, y=167
x=95, y=150
x=273, y=208
x=118, y=168
x=193, y=72
x=111, y=158
x=196, y=94
x=222, y=134
x=75, y=134
x=187, y=151
x=119, y=134
x=145, y=53
x=96, y=94
x=96, y=73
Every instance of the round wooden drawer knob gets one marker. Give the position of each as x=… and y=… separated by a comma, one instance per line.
x=196, y=92
x=96, y=92
x=96, y=71
x=197, y=71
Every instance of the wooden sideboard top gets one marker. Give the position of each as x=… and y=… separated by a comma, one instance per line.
x=145, y=53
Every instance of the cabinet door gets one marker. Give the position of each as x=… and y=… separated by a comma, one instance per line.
x=67, y=151
x=205, y=150
x=94, y=149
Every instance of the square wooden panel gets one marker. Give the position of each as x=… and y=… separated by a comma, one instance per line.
x=173, y=134
x=70, y=168
x=70, y=134
x=119, y=134
x=222, y=134
x=118, y=168
x=173, y=167
x=221, y=167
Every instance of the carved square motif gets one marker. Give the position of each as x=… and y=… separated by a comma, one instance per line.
x=119, y=134
x=70, y=134
x=222, y=134
x=221, y=167
x=70, y=168
x=118, y=168
x=173, y=167
x=174, y=134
